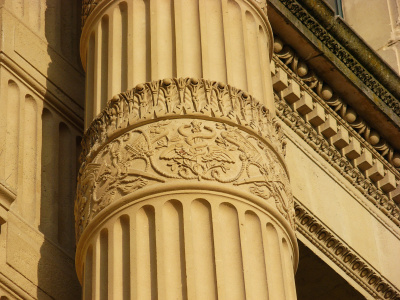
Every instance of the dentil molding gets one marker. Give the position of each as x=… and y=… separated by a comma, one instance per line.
x=343, y=255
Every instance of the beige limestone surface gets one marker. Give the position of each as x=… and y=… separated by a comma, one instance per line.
x=320, y=188
x=40, y=129
x=377, y=22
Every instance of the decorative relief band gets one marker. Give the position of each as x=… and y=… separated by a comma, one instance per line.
x=343, y=255
x=342, y=54
x=172, y=98
x=144, y=137
x=291, y=59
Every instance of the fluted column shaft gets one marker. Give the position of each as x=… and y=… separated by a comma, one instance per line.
x=183, y=192
x=129, y=42
x=187, y=244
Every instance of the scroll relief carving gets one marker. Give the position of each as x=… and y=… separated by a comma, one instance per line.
x=168, y=148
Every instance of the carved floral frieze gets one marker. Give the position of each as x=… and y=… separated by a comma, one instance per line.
x=181, y=130
x=172, y=98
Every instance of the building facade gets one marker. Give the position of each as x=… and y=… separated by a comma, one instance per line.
x=233, y=149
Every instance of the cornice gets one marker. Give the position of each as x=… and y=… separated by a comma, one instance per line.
x=288, y=59
x=337, y=159
x=343, y=255
x=349, y=39
x=363, y=63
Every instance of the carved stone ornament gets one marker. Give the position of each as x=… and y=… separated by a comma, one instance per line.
x=342, y=54
x=303, y=72
x=343, y=255
x=87, y=7
x=336, y=159
x=181, y=130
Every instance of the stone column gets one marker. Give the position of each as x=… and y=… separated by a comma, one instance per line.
x=183, y=190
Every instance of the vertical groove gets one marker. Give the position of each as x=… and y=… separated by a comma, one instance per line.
x=49, y=204
x=119, y=259
x=101, y=66
x=115, y=53
x=214, y=39
x=103, y=261
x=268, y=99
x=288, y=270
x=187, y=23
x=96, y=269
x=264, y=64
x=3, y=122
x=254, y=263
x=164, y=34
x=65, y=188
x=30, y=159
x=274, y=264
x=237, y=63
x=140, y=56
x=98, y=65
x=123, y=7
x=254, y=58
x=203, y=248
x=12, y=134
x=149, y=48
x=146, y=257
x=104, y=61
x=174, y=254
x=88, y=272
x=248, y=51
x=178, y=20
x=90, y=81
x=126, y=283
x=153, y=40
x=203, y=38
x=232, y=253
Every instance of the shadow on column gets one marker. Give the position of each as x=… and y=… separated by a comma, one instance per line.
x=60, y=146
